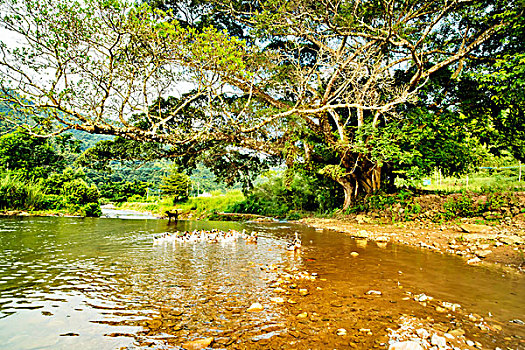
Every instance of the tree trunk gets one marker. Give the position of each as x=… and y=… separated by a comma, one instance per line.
x=348, y=189
x=364, y=181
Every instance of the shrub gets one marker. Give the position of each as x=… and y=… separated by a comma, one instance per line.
x=16, y=193
x=91, y=209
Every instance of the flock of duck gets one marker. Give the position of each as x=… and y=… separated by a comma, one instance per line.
x=218, y=236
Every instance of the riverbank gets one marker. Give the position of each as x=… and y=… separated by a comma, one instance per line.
x=502, y=243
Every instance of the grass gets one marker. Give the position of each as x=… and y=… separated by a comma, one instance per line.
x=197, y=207
x=478, y=182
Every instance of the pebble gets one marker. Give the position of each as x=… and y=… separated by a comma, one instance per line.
x=255, y=307
x=354, y=254
x=341, y=331
x=440, y=309
x=457, y=332
x=422, y=298
x=373, y=292
x=473, y=261
x=198, y=344
x=277, y=300
x=302, y=315
x=406, y=345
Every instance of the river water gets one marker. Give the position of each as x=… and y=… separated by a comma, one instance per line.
x=101, y=284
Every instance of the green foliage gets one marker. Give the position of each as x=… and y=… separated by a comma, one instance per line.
x=18, y=193
x=79, y=192
x=29, y=156
x=464, y=206
x=91, y=209
x=176, y=185
x=69, y=191
x=56, y=182
x=279, y=198
x=123, y=191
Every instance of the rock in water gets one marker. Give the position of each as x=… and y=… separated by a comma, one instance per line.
x=354, y=254
x=255, y=307
x=198, y=344
x=406, y=345
x=341, y=331
x=373, y=292
x=474, y=260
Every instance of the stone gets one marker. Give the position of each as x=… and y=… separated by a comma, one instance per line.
x=361, y=234
x=511, y=240
x=255, y=307
x=341, y=331
x=483, y=253
x=440, y=327
x=277, y=300
x=362, y=219
x=438, y=341
x=354, y=254
x=406, y=345
x=422, y=297
x=422, y=333
x=450, y=306
x=382, y=239
x=303, y=291
x=440, y=309
x=198, y=344
x=474, y=228
x=474, y=260
x=497, y=327
x=302, y=315
x=373, y=292
x=457, y=332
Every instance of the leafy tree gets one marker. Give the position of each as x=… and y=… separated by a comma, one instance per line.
x=32, y=156
x=312, y=83
x=176, y=185
x=123, y=190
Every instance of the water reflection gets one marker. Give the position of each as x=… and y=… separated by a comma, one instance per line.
x=101, y=283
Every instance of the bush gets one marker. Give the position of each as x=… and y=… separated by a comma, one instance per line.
x=78, y=192
x=16, y=193
x=91, y=209
x=282, y=197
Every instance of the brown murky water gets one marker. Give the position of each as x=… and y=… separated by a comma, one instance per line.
x=101, y=283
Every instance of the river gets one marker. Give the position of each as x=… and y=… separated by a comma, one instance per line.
x=100, y=283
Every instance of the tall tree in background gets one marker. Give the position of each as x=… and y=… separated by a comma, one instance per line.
x=176, y=185
x=325, y=84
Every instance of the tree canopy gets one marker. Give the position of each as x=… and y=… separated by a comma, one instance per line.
x=339, y=88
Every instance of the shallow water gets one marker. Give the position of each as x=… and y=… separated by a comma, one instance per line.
x=101, y=283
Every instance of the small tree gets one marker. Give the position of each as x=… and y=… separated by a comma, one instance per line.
x=176, y=185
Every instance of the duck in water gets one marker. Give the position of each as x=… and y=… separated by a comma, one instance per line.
x=252, y=238
x=295, y=245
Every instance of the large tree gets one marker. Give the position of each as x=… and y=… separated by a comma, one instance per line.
x=325, y=83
